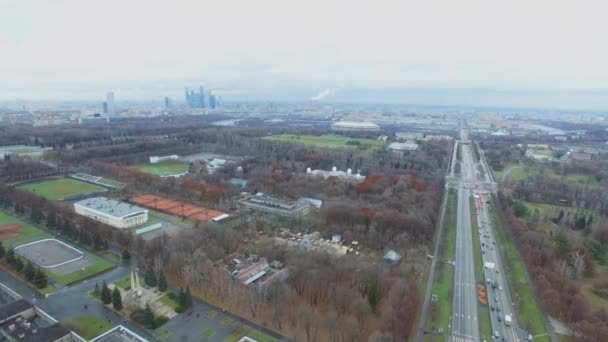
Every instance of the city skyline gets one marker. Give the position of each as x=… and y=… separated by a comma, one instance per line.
x=542, y=48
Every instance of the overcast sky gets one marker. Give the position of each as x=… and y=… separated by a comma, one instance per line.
x=77, y=49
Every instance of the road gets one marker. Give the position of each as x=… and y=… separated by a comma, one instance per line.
x=499, y=297
x=427, y=296
x=465, y=322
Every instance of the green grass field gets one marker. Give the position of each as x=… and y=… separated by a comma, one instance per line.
x=89, y=326
x=123, y=283
x=476, y=243
x=444, y=276
x=163, y=169
x=165, y=334
x=522, y=173
x=61, y=189
x=27, y=233
x=249, y=332
x=100, y=265
x=528, y=313
x=172, y=303
x=4, y=217
x=327, y=141
x=207, y=333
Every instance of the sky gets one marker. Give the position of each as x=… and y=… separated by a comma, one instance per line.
x=75, y=49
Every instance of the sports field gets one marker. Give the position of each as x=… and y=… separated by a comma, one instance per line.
x=60, y=189
x=327, y=141
x=14, y=232
x=167, y=168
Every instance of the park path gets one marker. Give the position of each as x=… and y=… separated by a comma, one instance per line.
x=506, y=174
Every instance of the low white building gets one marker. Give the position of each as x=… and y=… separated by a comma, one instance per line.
x=157, y=159
x=409, y=135
x=111, y=212
x=347, y=176
x=317, y=203
x=354, y=126
x=403, y=146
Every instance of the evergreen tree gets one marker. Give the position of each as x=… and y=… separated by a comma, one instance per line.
x=116, y=299
x=97, y=242
x=580, y=222
x=148, y=316
x=18, y=265
x=372, y=297
x=36, y=215
x=2, y=250
x=560, y=217
x=40, y=279
x=162, y=282
x=85, y=238
x=51, y=220
x=96, y=291
x=562, y=243
x=29, y=272
x=126, y=256
x=106, y=294
x=188, y=298
x=10, y=257
x=150, y=279
x=181, y=299
x=589, y=220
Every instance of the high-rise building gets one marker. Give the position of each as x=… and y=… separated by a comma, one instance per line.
x=104, y=105
x=167, y=102
x=110, y=103
x=212, y=101
x=195, y=99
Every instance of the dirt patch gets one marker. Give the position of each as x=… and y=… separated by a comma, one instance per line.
x=9, y=231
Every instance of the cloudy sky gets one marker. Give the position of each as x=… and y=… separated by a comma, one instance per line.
x=250, y=49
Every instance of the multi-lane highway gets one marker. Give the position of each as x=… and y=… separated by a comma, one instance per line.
x=465, y=323
x=499, y=298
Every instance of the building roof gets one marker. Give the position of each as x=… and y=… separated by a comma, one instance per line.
x=14, y=308
x=219, y=218
x=391, y=255
x=408, y=145
x=272, y=202
x=119, y=334
x=355, y=125
x=51, y=333
x=111, y=207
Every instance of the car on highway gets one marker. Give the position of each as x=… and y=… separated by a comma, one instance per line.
x=496, y=335
x=499, y=319
x=492, y=307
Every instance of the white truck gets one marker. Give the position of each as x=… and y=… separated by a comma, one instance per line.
x=508, y=320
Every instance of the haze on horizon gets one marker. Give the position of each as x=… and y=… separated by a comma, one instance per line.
x=533, y=53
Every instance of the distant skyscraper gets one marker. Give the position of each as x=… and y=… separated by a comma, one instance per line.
x=167, y=102
x=110, y=103
x=104, y=105
x=212, y=101
x=195, y=99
